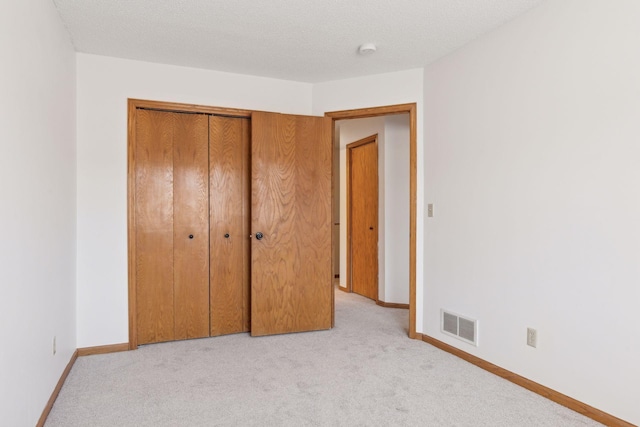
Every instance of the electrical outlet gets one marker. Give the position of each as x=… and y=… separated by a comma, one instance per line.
x=532, y=337
x=430, y=210
x=54, y=345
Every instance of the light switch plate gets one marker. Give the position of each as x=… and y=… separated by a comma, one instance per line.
x=532, y=337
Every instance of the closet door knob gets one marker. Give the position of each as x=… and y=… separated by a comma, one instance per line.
x=191, y=236
x=226, y=236
x=259, y=235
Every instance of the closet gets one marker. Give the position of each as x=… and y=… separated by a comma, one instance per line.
x=229, y=222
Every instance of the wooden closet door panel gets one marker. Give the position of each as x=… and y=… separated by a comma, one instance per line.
x=364, y=219
x=291, y=277
x=229, y=224
x=154, y=226
x=191, y=225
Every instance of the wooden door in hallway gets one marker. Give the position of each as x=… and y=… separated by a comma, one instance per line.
x=171, y=226
x=291, y=276
x=362, y=207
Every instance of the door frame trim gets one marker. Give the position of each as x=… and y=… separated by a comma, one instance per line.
x=372, y=139
x=132, y=106
x=410, y=108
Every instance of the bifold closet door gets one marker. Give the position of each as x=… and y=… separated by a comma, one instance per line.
x=291, y=277
x=229, y=224
x=172, y=226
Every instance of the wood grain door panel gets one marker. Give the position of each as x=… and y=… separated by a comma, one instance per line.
x=363, y=200
x=229, y=224
x=154, y=226
x=191, y=225
x=291, y=277
x=171, y=204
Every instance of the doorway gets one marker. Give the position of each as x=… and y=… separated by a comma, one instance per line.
x=411, y=110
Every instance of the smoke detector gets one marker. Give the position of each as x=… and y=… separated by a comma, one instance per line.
x=367, y=49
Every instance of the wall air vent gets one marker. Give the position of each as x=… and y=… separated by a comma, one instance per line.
x=461, y=327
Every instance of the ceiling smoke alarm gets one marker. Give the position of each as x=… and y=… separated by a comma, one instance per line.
x=367, y=49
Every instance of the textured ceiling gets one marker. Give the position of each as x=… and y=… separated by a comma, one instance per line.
x=303, y=40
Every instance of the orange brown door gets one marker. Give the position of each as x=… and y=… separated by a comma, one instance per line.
x=154, y=226
x=172, y=226
x=362, y=200
x=191, y=225
x=229, y=224
x=291, y=276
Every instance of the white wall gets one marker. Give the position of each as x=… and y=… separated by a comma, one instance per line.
x=397, y=199
x=532, y=145
x=393, y=200
x=379, y=90
x=104, y=84
x=37, y=217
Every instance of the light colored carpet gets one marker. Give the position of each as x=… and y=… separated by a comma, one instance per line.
x=365, y=372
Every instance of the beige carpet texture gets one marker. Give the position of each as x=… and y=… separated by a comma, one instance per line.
x=364, y=372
